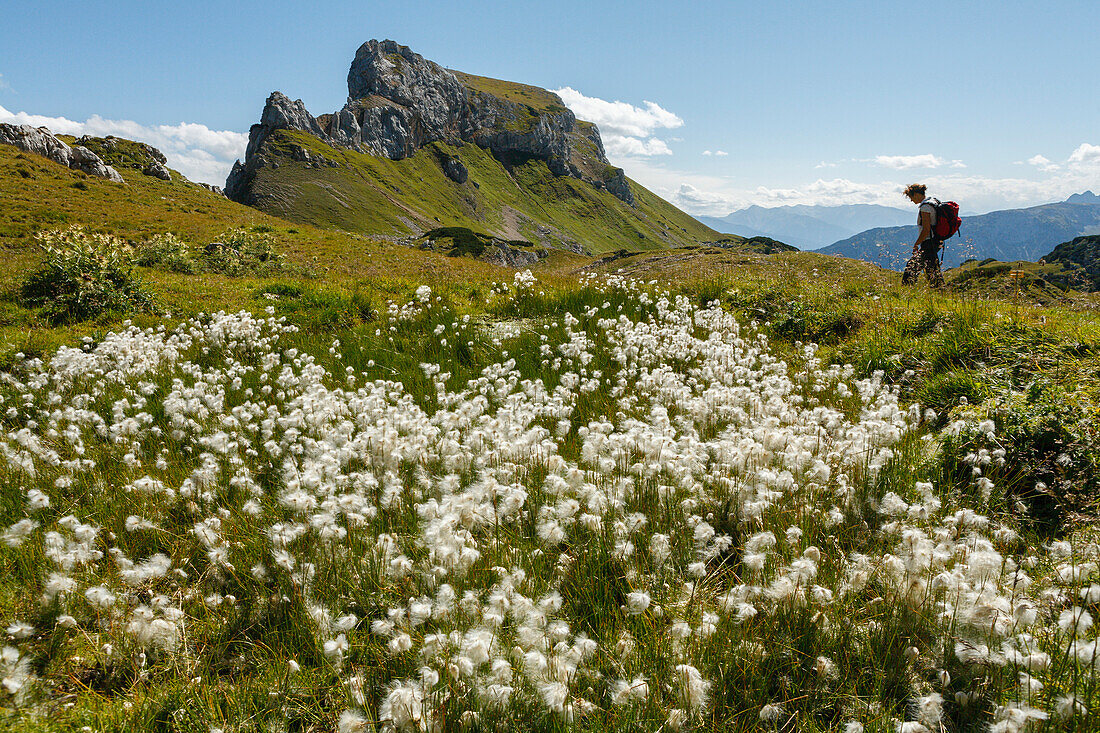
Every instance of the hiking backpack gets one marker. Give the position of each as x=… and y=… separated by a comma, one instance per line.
x=947, y=220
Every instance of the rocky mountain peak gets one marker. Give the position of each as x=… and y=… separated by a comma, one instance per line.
x=398, y=102
x=392, y=71
x=280, y=113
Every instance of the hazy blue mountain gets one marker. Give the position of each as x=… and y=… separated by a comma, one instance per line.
x=1008, y=235
x=1088, y=197
x=808, y=227
x=720, y=225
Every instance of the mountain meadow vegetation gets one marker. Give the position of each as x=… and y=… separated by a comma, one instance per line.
x=270, y=475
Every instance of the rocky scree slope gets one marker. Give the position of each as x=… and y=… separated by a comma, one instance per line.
x=418, y=147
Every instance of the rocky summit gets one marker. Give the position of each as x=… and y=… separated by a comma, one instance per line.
x=399, y=102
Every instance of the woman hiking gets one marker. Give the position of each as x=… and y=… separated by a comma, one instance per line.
x=926, y=249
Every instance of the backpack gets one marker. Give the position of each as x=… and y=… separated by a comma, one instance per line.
x=947, y=219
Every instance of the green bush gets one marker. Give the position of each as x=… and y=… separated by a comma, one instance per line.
x=85, y=274
x=236, y=252
x=242, y=252
x=1051, y=435
x=167, y=251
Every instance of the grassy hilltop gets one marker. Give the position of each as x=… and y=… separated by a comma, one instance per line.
x=689, y=488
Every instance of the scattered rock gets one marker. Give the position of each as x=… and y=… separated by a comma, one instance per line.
x=504, y=255
x=460, y=241
x=121, y=153
x=40, y=141
x=157, y=170
x=455, y=170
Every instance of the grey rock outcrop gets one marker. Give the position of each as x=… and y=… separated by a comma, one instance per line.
x=416, y=101
x=87, y=161
x=280, y=113
x=40, y=141
x=503, y=255
x=398, y=102
x=157, y=170
x=454, y=169
x=122, y=153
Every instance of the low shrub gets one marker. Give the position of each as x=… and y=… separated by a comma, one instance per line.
x=167, y=251
x=235, y=253
x=84, y=275
x=242, y=252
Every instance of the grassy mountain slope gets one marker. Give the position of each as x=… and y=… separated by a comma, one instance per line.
x=1013, y=234
x=517, y=198
x=1046, y=283
x=535, y=97
x=41, y=195
x=332, y=267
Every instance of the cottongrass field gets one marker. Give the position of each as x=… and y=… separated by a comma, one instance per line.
x=628, y=514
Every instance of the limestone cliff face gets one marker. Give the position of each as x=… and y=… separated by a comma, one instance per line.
x=398, y=102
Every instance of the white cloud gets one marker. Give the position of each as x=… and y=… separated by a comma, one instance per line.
x=194, y=150
x=707, y=152
x=698, y=201
x=617, y=147
x=845, y=191
x=619, y=117
x=765, y=196
x=905, y=162
x=1085, y=155
x=627, y=130
x=721, y=153
x=4, y=85
x=1042, y=163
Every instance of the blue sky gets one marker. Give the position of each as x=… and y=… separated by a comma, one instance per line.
x=720, y=104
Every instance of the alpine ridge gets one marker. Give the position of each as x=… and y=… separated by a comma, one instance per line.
x=418, y=147
x=399, y=102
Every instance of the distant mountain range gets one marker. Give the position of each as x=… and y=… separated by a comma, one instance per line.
x=1009, y=235
x=809, y=227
